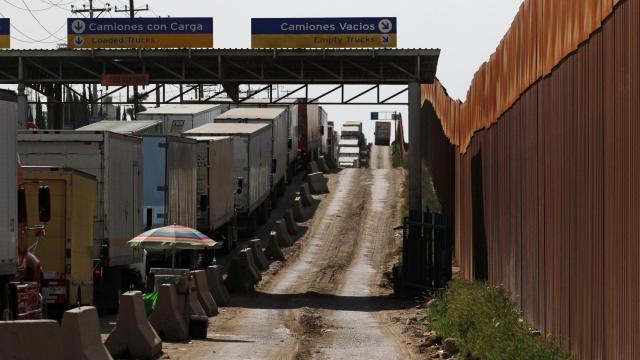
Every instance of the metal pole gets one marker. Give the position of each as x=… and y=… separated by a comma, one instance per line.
x=22, y=102
x=414, y=250
x=132, y=9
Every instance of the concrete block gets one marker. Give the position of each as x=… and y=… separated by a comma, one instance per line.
x=31, y=339
x=259, y=259
x=203, y=294
x=318, y=183
x=194, y=305
x=133, y=335
x=168, y=319
x=284, y=239
x=305, y=195
x=322, y=165
x=273, y=250
x=312, y=167
x=255, y=272
x=292, y=226
x=216, y=285
x=178, y=277
x=81, y=335
x=298, y=210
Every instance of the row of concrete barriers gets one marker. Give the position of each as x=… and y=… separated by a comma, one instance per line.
x=185, y=298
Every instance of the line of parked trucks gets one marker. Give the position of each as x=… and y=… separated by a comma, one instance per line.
x=83, y=194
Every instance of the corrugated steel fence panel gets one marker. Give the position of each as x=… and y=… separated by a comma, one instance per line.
x=560, y=182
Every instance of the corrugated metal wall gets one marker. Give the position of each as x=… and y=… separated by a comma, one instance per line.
x=560, y=180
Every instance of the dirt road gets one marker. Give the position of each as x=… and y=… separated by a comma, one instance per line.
x=326, y=302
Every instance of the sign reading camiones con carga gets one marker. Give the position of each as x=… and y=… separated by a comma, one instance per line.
x=5, y=33
x=324, y=32
x=140, y=33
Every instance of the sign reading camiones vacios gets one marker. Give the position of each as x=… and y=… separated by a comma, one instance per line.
x=140, y=33
x=324, y=32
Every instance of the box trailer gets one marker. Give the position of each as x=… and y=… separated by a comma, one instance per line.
x=252, y=157
x=138, y=127
x=324, y=130
x=277, y=118
x=383, y=133
x=177, y=118
x=308, y=132
x=170, y=180
x=66, y=253
x=116, y=161
x=8, y=186
x=216, y=188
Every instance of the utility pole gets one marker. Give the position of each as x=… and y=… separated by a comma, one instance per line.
x=91, y=10
x=132, y=13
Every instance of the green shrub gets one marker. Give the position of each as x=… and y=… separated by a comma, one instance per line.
x=487, y=324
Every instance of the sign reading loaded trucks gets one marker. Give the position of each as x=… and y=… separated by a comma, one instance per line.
x=140, y=33
x=324, y=32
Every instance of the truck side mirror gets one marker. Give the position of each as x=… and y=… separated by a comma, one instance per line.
x=44, y=203
x=240, y=183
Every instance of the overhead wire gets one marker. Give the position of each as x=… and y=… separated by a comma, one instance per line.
x=41, y=25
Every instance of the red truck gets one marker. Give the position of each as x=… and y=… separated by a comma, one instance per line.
x=309, y=136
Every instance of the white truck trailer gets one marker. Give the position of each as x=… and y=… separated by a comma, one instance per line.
x=138, y=127
x=252, y=156
x=277, y=118
x=216, y=188
x=116, y=161
x=177, y=118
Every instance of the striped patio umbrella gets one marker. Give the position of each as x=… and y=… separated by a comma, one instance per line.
x=173, y=237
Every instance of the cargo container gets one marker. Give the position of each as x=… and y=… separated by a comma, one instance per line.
x=8, y=186
x=324, y=130
x=138, y=127
x=351, y=132
x=308, y=132
x=170, y=178
x=66, y=253
x=383, y=133
x=357, y=124
x=177, y=118
x=216, y=188
x=252, y=155
x=277, y=118
x=116, y=161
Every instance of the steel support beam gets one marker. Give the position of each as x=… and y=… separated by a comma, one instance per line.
x=22, y=97
x=414, y=250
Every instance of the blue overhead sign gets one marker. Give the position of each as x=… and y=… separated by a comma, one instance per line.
x=140, y=33
x=5, y=33
x=323, y=32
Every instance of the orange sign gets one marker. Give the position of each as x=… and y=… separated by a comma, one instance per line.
x=124, y=79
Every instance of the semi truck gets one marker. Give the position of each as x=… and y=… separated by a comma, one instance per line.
x=20, y=269
x=383, y=133
x=216, y=215
x=116, y=161
x=66, y=253
x=253, y=159
x=309, y=137
x=277, y=118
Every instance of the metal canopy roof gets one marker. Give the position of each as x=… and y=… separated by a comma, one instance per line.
x=215, y=66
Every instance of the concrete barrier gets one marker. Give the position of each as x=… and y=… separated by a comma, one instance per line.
x=305, y=195
x=259, y=259
x=273, y=251
x=178, y=277
x=312, y=167
x=243, y=274
x=298, y=210
x=322, y=165
x=133, y=336
x=318, y=183
x=284, y=240
x=292, y=226
x=216, y=285
x=203, y=294
x=168, y=318
x=194, y=305
x=31, y=339
x=81, y=335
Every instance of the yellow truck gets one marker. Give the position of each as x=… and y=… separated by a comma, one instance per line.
x=66, y=253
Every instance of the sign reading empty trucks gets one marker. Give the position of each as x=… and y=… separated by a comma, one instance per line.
x=324, y=32
x=140, y=33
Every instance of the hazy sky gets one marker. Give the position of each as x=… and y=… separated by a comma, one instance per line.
x=466, y=31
